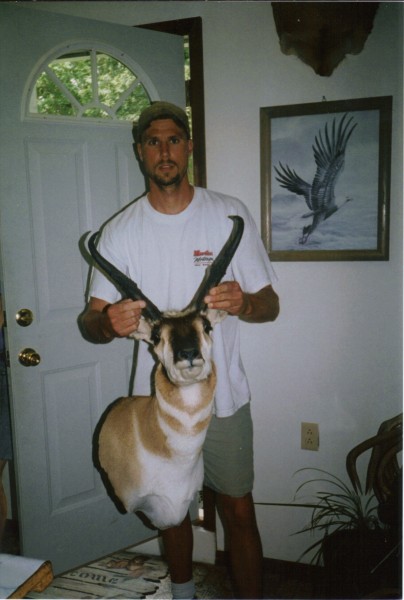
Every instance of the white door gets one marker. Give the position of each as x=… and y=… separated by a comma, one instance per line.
x=58, y=181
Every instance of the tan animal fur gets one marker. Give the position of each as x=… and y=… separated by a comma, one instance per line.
x=150, y=447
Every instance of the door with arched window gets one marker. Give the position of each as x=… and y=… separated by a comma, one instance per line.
x=70, y=91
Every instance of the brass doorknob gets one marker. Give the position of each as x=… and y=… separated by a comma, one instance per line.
x=29, y=357
x=24, y=317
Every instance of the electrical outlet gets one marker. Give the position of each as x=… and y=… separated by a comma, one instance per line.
x=310, y=436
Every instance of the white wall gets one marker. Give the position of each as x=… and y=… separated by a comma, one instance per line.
x=334, y=356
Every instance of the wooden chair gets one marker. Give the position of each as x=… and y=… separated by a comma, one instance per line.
x=384, y=479
x=384, y=474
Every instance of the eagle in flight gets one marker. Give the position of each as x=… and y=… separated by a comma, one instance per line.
x=329, y=155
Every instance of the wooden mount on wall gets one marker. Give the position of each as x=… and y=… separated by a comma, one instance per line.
x=322, y=33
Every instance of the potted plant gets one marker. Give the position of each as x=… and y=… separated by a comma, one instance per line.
x=353, y=541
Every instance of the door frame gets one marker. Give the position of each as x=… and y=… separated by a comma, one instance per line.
x=192, y=28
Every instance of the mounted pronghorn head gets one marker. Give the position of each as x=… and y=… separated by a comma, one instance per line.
x=181, y=340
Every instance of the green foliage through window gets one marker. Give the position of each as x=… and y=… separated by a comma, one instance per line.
x=89, y=84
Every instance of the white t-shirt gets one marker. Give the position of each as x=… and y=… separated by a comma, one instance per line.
x=166, y=255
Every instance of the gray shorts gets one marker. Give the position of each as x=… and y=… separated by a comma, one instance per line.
x=228, y=454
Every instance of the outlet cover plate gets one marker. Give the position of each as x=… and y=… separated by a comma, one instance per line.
x=310, y=437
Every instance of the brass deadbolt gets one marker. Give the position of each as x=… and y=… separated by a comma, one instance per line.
x=24, y=317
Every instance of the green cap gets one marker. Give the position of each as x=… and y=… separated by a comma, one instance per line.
x=161, y=110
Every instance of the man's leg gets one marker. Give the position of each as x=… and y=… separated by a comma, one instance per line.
x=244, y=544
x=178, y=546
x=229, y=471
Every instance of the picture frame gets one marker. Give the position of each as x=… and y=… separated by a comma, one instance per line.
x=325, y=180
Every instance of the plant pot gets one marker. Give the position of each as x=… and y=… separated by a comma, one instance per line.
x=350, y=557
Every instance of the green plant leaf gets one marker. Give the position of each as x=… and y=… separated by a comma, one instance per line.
x=338, y=507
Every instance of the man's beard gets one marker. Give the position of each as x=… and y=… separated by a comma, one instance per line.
x=163, y=182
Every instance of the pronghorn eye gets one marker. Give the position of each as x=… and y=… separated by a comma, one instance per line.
x=207, y=327
x=155, y=335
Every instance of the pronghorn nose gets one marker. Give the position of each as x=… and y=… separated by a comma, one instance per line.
x=189, y=354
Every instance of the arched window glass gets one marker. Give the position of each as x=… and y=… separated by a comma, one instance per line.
x=85, y=84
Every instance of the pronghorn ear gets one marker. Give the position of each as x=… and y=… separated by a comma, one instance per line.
x=215, y=316
x=143, y=332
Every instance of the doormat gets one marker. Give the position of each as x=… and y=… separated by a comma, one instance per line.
x=132, y=575
x=121, y=575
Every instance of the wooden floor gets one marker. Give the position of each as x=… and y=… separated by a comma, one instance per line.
x=282, y=579
x=285, y=579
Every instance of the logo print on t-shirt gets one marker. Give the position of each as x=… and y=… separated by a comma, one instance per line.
x=203, y=258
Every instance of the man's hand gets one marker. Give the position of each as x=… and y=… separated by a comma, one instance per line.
x=259, y=307
x=102, y=322
x=227, y=296
x=122, y=318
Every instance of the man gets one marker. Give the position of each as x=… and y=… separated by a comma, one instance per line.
x=164, y=241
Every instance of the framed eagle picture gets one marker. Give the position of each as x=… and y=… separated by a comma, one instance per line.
x=325, y=180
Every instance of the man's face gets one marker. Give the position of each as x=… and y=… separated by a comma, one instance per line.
x=164, y=152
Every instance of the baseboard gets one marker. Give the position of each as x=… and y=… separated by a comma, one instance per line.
x=153, y=546
x=204, y=546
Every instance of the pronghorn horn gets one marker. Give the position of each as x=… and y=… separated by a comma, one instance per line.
x=217, y=269
x=126, y=285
